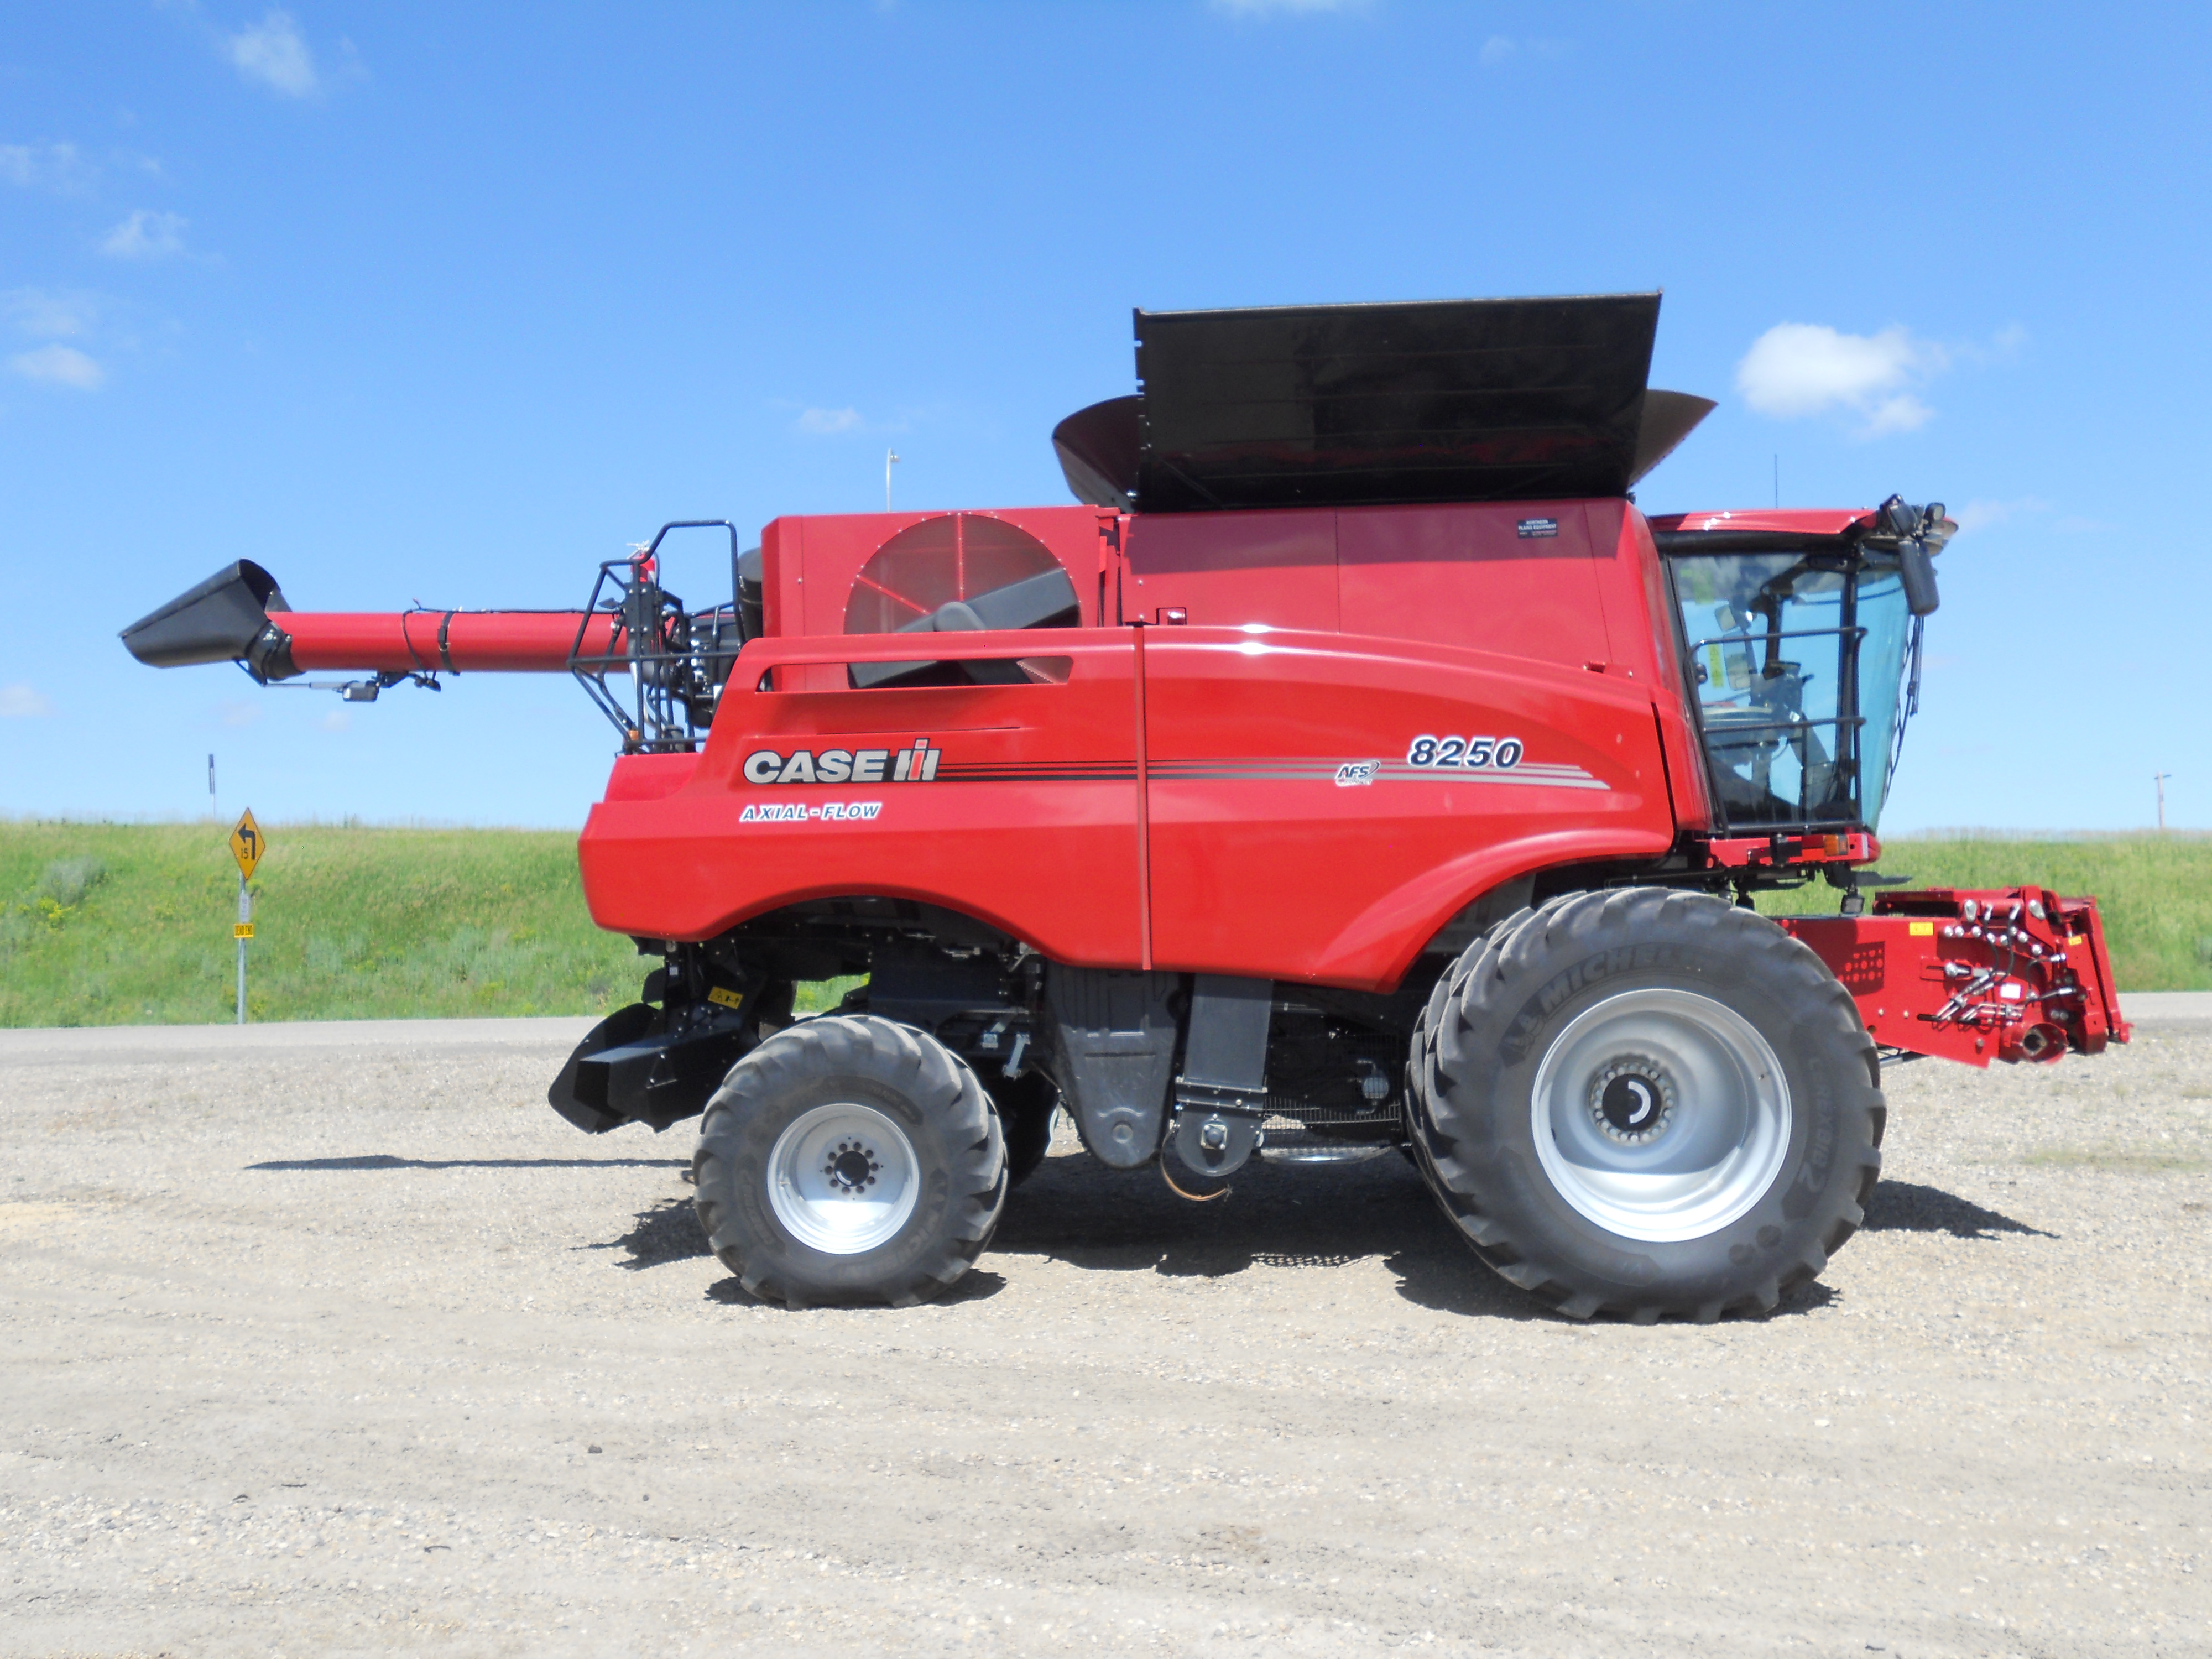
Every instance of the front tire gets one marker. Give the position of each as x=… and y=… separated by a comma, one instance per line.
x=850, y=1160
x=1647, y=1102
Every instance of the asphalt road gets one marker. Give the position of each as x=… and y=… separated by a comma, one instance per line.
x=334, y=1339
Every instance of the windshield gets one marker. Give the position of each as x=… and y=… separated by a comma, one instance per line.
x=1797, y=661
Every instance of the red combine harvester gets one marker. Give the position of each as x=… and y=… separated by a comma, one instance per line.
x=1355, y=770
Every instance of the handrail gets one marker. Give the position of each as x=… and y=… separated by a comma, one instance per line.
x=815, y=649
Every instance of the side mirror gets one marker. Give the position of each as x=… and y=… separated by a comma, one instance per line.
x=1898, y=517
x=1916, y=566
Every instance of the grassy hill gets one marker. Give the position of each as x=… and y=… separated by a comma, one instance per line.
x=110, y=924
x=103, y=924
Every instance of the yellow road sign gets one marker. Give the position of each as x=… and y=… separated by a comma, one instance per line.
x=243, y=930
x=247, y=844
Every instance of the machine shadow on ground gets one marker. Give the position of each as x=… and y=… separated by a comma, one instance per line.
x=1104, y=1221
x=1906, y=1206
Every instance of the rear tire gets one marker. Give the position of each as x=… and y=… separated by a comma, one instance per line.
x=1648, y=1104
x=850, y=1160
x=1025, y=1105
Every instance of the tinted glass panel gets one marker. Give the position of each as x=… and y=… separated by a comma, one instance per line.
x=1796, y=662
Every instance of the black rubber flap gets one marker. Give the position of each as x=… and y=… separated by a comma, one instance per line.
x=215, y=621
x=1451, y=400
x=1669, y=417
x=1097, y=450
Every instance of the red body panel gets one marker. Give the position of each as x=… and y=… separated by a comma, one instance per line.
x=1217, y=836
x=1227, y=570
x=2011, y=974
x=465, y=641
x=1290, y=837
x=1028, y=822
x=1177, y=802
x=1574, y=583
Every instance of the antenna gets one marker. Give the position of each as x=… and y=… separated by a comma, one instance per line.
x=212, y=811
x=1778, y=483
x=890, y=460
x=2160, y=778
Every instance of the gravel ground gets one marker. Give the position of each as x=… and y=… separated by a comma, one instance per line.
x=335, y=1339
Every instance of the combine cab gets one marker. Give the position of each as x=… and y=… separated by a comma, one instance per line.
x=1354, y=770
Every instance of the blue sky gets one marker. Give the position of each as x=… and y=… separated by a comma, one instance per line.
x=423, y=301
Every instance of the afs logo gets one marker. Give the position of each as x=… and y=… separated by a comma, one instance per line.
x=914, y=765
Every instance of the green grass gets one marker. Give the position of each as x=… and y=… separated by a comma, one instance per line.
x=108, y=924
x=105, y=924
x=2154, y=892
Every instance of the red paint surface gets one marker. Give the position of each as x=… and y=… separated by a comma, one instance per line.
x=473, y=642
x=1177, y=805
x=809, y=564
x=1225, y=570
x=1030, y=824
x=1932, y=979
x=1263, y=864
x=1794, y=521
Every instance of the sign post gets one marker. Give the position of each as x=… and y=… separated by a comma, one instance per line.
x=246, y=846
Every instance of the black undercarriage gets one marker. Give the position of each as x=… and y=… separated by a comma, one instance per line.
x=1141, y=1061
x=1323, y=1079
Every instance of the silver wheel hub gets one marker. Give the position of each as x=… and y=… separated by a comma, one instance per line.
x=1661, y=1115
x=842, y=1178
x=1632, y=1101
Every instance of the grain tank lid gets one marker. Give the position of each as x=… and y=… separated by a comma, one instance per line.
x=1454, y=400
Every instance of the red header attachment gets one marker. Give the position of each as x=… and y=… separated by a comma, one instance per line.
x=2009, y=974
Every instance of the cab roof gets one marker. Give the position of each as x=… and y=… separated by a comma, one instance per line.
x=1781, y=521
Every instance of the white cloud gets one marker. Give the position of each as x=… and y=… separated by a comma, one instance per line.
x=824, y=422
x=146, y=235
x=44, y=167
x=338, y=720
x=274, y=52
x=1796, y=369
x=240, y=713
x=59, y=365
x=45, y=315
x=21, y=701
x=1496, y=50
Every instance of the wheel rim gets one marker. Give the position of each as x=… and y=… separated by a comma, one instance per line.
x=842, y=1178
x=1661, y=1115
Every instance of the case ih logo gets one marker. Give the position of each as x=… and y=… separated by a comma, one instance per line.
x=914, y=765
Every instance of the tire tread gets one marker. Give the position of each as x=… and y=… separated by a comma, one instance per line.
x=1449, y=1102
